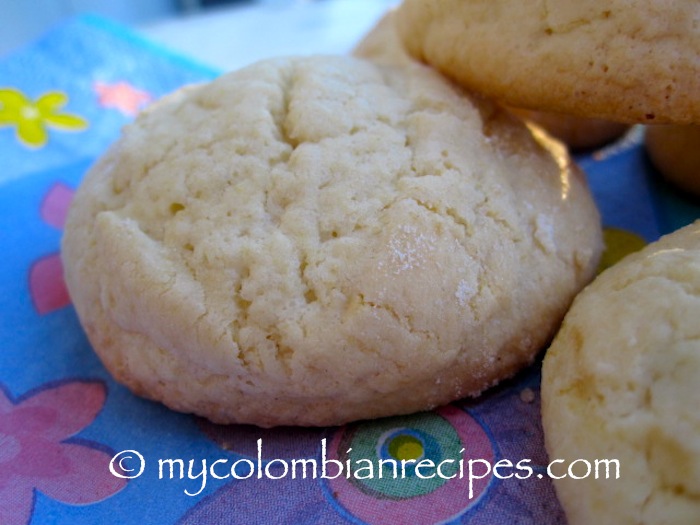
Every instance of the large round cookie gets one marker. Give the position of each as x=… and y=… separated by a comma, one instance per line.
x=620, y=382
x=312, y=241
x=626, y=60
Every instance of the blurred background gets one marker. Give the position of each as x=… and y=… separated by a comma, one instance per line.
x=225, y=34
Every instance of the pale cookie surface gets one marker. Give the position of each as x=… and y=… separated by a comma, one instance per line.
x=313, y=241
x=620, y=382
x=628, y=60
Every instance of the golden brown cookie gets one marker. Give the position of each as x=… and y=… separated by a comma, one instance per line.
x=635, y=61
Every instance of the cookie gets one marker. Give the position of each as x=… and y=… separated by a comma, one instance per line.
x=310, y=241
x=627, y=60
x=620, y=382
x=675, y=151
x=382, y=44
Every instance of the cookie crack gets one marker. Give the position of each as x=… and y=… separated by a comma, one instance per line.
x=448, y=213
x=309, y=292
x=283, y=353
x=569, y=26
x=281, y=119
x=240, y=320
x=403, y=320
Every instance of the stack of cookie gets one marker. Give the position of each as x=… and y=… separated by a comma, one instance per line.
x=620, y=379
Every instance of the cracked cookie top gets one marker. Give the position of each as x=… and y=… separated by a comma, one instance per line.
x=635, y=61
x=316, y=240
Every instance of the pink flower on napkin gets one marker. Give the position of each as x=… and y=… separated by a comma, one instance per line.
x=38, y=452
x=122, y=96
x=46, y=285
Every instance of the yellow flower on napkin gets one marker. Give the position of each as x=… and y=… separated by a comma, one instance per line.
x=31, y=118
